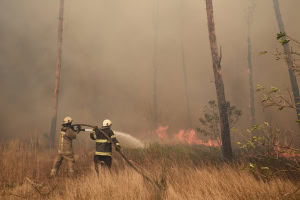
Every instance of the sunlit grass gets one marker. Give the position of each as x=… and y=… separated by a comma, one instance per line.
x=180, y=171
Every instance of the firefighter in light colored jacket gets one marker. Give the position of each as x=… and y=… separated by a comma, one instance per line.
x=65, y=149
x=104, y=146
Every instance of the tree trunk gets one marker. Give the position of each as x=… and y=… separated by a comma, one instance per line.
x=186, y=93
x=250, y=72
x=57, y=76
x=225, y=130
x=154, y=62
x=250, y=68
x=289, y=59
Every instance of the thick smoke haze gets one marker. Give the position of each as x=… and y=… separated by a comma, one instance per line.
x=108, y=61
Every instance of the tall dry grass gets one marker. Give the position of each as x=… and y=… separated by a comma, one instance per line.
x=181, y=172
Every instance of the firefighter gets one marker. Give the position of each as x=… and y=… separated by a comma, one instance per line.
x=103, y=152
x=65, y=150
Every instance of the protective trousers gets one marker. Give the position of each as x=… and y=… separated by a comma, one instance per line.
x=58, y=161
x=102, y=162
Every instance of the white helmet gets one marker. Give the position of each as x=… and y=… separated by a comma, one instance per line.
x=67, y=120
x=106, y=122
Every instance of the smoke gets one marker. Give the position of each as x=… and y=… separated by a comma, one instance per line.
x=107, y=61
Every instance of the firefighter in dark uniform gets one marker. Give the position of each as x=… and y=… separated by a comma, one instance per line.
x=65, y=148
x=103, y=145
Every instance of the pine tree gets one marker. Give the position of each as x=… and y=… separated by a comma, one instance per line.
x=289, y=59
x=57, y=75
x=224, y=123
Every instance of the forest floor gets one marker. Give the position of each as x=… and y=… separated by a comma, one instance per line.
x=181, y=172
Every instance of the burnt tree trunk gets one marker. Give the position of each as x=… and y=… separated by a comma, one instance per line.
x=289, y=59
x=57, y=75
x=250, y=67
x=154, y=62
x=216, y=59
x=186, y=93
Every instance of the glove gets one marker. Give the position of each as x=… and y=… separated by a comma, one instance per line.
x=78, y=129
x=118, y=148
x=95, y=128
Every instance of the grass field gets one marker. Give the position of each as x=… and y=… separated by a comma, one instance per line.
x=181, y=172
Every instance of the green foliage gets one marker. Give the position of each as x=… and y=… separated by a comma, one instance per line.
x=284, y=41
x=210, y=122
x=265, y=155
x=263, y=52
x=273, y=97
x=293, y=55
x=281, y=37
x=265, y=149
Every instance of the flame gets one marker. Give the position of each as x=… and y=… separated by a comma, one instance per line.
x=161, y=131
x=184, y=136
x=283, y=152
x=189, y=137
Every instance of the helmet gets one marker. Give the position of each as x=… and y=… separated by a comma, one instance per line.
x=106, y=122
x=67, y=120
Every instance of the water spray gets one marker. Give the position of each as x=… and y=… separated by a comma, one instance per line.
x=134, y=143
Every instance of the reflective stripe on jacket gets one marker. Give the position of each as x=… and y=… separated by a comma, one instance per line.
x=65, y=140
x=103, y=145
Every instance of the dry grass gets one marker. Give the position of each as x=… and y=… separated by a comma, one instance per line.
x=176, y=169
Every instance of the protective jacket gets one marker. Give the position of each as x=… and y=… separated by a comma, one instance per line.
x=65, y=140
x=103, y=145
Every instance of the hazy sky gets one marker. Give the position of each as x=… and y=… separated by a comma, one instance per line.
x=107, y=60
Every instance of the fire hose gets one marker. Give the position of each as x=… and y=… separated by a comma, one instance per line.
x=120, y=152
